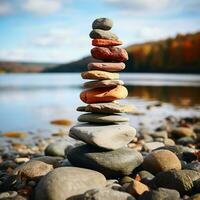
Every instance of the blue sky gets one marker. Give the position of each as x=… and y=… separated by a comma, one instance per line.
x=57, y=30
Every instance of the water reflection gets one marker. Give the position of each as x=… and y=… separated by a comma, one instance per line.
x=178, y=96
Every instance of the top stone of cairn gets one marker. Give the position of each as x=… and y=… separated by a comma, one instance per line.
x=102, y=23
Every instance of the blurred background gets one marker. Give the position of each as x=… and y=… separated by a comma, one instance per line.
x=45, y=45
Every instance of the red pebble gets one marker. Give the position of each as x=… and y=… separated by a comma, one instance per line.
x=110, y=54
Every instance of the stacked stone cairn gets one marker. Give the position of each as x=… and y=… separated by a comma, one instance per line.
x=105, y=132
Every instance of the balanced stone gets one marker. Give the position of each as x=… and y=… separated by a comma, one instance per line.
x=103, y=83
x=112, y=67
x=101, y=118
x=114, y=54
x=65, y=182
x=109, y=108
x=102, y=34
x=99, y=75
x=108, y=137
x=105, y=42
x=112, y=164
x=162, y=160
x=102, y=23
x=104, y=94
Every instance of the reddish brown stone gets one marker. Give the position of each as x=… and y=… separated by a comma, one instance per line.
x=99, y=75
x=104, y=94
x=109, y=54
x=103, y=83
x=112, y=67
x=105, y=42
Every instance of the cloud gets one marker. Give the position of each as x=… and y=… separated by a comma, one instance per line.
x=155, y=7
x=13, y=54
x=5, y=8
x=54, y=37
x=61, y=37
x=41, y=7
x=139, y=5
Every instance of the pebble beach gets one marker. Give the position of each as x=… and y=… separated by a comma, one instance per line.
x=103, y=156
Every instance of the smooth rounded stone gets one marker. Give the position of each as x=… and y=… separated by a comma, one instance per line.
x=103, y=83
x=102, y=118
x=147, y=139
x=96, y=95
x=105, y=42
x=181, y=180
x=8, y=195
x=186, y=140
x=51, y=160
x=193, y=166
x=106, y=194
x=33, y=170
x=195, y=197
x=160, y=194
x=102, y=23
x=169, y=142
x=162, y=160
x=99, y=75
x=65, y=182
x=150, y=146
x=107, y=66
x=159, y=134
x=109, y=108
x=108, y=137
x=20, y=197
x=145, y=176
x=58, y=148
x=114, y=163
x=178, y=150
x=114, y=54
x=102, y=34
x=137, y=188
x=182, y=132
x=126, y=179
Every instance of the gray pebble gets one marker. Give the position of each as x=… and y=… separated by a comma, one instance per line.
x=102, y=23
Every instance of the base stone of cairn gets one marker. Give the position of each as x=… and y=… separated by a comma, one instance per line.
x=102, y=127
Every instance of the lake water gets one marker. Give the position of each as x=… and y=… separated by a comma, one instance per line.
x=28, y=102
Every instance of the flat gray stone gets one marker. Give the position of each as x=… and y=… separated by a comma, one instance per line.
x=102, y=23
x=57, y=148
x=101, y=34
x=106, y=194
x=102, y=118
x=110, y=108
x=112, y=164
x=65, y=182
x=108, y=137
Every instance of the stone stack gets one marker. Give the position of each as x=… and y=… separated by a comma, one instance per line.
x=105, y=132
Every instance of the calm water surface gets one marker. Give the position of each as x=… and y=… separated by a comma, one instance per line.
x=29, y=101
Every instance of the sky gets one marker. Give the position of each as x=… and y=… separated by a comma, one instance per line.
x=57, y=31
